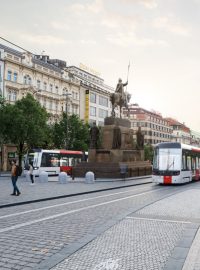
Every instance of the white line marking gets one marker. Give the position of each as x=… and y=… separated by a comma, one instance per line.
x=71, y=212
x=67, y=203
x=162, y=220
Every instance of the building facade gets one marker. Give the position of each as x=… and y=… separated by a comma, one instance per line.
x=181, y=133
x=155, y=128
x=95, y=96
x=57, y=87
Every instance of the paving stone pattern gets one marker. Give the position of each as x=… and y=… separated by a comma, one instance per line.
x=26, y=247
x=130, y=244
x=185, y=205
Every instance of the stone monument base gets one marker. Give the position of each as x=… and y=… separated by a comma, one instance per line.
x=110, y=161
x=112, y=169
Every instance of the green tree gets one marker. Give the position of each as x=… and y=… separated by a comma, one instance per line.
x=148, y=152
x=24, y=124
x=71, y=133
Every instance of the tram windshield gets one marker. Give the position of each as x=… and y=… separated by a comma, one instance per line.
x=167, y=159
x=32, y=158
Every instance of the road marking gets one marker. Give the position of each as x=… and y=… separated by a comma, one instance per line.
x=71, y=212
x=68, y=203
x=162, y=220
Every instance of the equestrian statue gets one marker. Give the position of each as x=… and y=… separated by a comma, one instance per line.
x=120, y=98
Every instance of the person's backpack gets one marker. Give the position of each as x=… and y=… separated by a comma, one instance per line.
x=18, y=170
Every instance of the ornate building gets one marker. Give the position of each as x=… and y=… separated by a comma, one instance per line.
x=57, y=87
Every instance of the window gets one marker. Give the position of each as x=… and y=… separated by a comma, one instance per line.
x=45, y=86
x=56, y=106
x=9, y=75
x=74, y=109
x=50, y=105
x=56, y=89
x=25, y=80
x=29, y=80
x=92, y=111
x=50, y=160
x=38, y=84
x=103, y=101
x=92, y=97
x=15, y=77
x=51, y=87
x=103, y=113
x=12, y=95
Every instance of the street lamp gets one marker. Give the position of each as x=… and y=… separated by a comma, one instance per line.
x=67, y=94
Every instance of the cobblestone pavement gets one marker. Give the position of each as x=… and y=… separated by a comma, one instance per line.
x=53, y=188
x=146, y=239
x=33, y=238
x=26, y=240
x=193, y=259
x=130, y=244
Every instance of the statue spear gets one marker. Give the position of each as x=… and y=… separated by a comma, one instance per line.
x=127, y=81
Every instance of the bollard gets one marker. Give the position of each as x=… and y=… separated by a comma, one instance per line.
x=63, y=178
x=89, y=178
x=43, y=177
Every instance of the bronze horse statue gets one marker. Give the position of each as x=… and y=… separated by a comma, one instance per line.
x=121, y=100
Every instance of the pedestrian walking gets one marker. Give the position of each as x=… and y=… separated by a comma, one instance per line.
x=14, y=177
x=31, y=173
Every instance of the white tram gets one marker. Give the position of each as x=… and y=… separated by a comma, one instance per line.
x=175, y=163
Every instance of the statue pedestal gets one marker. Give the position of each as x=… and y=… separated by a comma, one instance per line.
x=107, y=162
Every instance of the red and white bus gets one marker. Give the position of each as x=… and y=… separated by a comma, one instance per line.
x=175, y=163
x=53, y=161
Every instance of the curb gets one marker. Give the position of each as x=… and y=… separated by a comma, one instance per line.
x=70, y=195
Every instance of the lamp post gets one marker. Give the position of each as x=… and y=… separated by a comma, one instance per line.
x=67, y=94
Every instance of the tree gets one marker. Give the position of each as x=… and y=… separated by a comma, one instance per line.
x=71, y=133
x=148, y=152
x=24, y=124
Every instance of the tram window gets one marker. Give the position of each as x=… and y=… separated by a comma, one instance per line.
x=50, y=160
x=193, y=163
x=184, y=162
x=197, y=162
x=188, y=163
x=64, y=161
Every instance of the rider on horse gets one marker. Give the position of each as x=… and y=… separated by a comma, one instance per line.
x=120, y=89
x=119, y=98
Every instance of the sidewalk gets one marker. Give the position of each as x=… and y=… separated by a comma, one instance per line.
x=54, y=190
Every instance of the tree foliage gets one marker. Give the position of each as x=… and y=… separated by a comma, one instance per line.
x=71, y=133
x=148, y=152
x=24, y=124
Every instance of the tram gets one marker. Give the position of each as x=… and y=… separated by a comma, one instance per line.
x=53, y=161
x=175, y=163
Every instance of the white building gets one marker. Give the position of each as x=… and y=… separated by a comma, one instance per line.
x=96, y=101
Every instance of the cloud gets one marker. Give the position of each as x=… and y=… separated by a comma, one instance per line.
x=114, y=20
x=127, y=39
x=150, y=4
x=44, y=39
x=171, y=24
x=88, y=42
x=59, y=25
x=94, y=7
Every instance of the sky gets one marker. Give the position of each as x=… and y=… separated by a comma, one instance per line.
x=160, y=39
